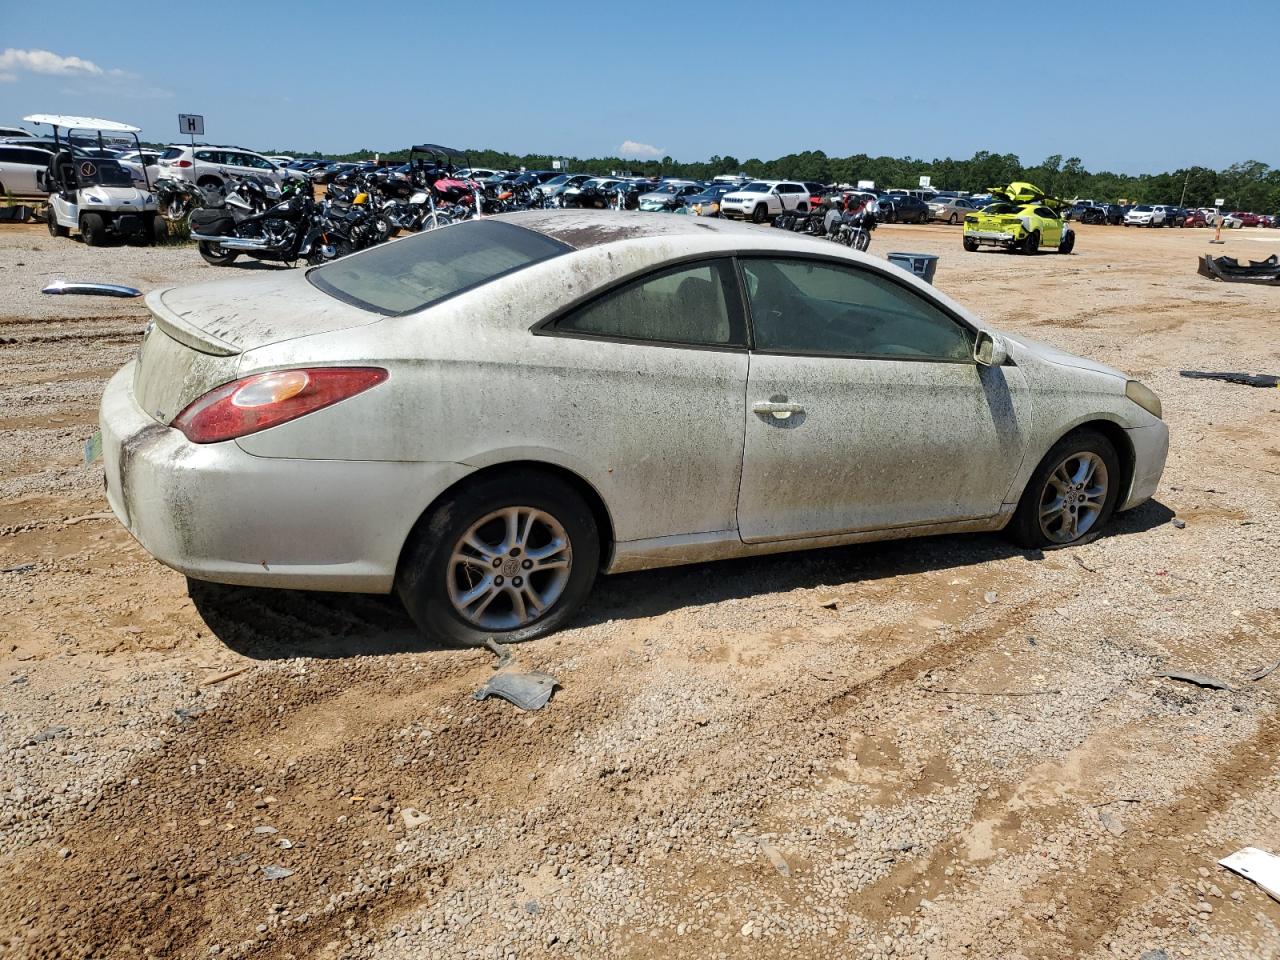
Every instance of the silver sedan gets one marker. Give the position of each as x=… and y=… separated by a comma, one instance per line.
x=484, y=417
x=950, y=209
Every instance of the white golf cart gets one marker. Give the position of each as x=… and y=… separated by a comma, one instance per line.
x=91, y=192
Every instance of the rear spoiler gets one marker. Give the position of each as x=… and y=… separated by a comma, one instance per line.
x=185, y=333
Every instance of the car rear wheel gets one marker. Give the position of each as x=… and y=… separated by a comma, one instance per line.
x=1071, y=495
x=1068, y=242
x=510, y=557
x=1031, y=245
x=955, y=218
x=970, y=244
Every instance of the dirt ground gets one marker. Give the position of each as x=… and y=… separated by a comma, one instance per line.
x=935, y=748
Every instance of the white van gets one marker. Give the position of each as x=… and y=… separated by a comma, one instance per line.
x=22, y=169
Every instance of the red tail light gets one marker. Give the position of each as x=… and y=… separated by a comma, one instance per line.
x=181, y=163
x=265, y=400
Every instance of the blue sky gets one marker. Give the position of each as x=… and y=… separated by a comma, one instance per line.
x=1130, y=85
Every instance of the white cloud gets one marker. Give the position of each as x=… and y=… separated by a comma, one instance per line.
x=633, y=149
x=44, y=61
x=113, y=82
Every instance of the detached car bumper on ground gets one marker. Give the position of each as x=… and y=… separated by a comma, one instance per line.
x=485, y=416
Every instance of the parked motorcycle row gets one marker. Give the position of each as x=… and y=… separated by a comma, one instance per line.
x=360, y=208
x=842, y=220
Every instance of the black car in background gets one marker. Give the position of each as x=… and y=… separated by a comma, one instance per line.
x=1176, y=216
x=706, y=203
x=1086, y=213
x=903, y=208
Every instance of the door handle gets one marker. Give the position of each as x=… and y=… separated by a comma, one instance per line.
x=779, y=409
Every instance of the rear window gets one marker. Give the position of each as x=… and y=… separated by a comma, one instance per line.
x=173, y=153
x=418, y=271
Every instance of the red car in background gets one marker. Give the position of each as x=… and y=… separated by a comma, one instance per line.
x=1195, y=218
x=1248, y=219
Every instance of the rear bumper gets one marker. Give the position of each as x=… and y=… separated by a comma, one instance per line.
x=990, y=236
x=1150, y=449
x=215, y=512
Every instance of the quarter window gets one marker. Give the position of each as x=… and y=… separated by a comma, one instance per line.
x=687, y=305
x=822, y=309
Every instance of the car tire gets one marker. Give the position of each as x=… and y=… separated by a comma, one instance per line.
x=1031, y=243
x=759, y=214
x=1037, y=524
x=94, y=230
x=51, y=220
x=970, y=244
x=434, y=585
x=1068, y=243
x=209, y=183
x=215, y=255
x=955, y=218
x=158, y=229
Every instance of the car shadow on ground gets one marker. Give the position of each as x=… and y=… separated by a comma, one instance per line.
x=266, y=624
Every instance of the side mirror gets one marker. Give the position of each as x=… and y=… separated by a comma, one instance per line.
x=990, y=350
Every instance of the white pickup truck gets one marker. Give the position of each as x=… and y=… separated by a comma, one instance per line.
x=763, y=200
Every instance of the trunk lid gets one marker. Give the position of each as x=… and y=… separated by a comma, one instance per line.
x=199, y=332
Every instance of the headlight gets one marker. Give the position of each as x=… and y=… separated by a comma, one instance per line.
x=1144, y=397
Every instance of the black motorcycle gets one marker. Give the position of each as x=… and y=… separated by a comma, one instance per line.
x=285, y=232
x=175, y=198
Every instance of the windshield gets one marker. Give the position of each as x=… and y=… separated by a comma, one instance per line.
x=756, y=188
x=107, y=173
x=418, y=271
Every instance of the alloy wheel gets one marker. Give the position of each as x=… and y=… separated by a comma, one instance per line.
x=509, y=568
x=1073, y=497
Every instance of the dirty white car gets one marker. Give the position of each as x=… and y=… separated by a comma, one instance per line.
x=485, y=416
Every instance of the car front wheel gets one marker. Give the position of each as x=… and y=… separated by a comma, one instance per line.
x=510, y=557
x=1071, y=495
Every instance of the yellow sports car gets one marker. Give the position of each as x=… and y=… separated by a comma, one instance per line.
x=1021, y=219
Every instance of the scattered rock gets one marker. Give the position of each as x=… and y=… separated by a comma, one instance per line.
x=412, y=817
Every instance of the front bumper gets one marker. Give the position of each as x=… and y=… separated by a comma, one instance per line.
x=1150, y=450
x=215, y=512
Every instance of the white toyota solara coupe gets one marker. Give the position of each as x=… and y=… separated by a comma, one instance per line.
x=485, y=416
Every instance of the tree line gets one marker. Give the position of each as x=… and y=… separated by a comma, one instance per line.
x=1250, y=185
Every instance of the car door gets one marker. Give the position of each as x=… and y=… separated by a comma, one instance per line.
x=1050, y=227
x=644, y=385
x=865, y=409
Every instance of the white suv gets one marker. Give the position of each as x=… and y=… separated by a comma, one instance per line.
x=763, y=200
x=209, y=166
x=1145, y=215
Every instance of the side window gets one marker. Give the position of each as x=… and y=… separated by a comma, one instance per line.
x=823, y=309
x=206, y=155
x=262, y=163
x=691, y=304
x=8, y=155
x=1046, y=213
x=37, y=158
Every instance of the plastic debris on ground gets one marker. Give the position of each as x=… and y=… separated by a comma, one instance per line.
x=1260, y=866
x=528, y=691
x=1228, y=376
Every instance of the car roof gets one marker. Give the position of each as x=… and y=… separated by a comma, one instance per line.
x=583, y=229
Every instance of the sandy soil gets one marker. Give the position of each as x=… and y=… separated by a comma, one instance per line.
x=935, y=748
